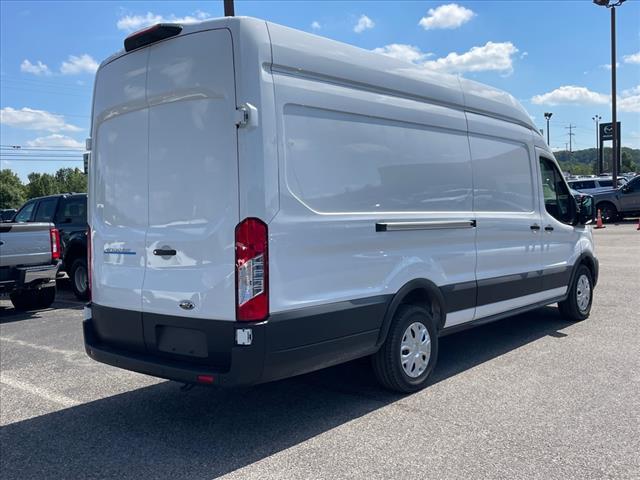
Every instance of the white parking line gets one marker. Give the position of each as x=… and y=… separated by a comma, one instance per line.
x=72, y=356
x=38, y=391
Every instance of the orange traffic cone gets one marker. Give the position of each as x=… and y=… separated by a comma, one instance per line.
x=599, y=223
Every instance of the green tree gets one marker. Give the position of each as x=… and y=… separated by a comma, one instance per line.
x=71, y=180
x=627, y=164
x=41, y=184
x=12, y=191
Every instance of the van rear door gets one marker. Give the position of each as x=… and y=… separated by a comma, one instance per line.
x=193, y=177
x=165, y=179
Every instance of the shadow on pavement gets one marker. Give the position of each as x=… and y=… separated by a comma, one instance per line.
x=161, y=432
x=65, y=299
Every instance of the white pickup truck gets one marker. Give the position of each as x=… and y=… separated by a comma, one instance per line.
x=29, y=262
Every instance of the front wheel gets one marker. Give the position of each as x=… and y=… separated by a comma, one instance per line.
x=577, y=306
x=33, y=299
x=409, y=354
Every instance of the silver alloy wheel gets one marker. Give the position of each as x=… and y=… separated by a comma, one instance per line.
x=80, y=279
x=583, y=293
x=415, y=350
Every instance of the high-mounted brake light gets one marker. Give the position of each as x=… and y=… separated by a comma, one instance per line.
x=150, y=35
x=55, y=243
x=252, y=270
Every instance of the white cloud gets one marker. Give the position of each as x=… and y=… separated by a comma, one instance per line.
x=82, y=64
x=316, y=25
x=571, y=95
x=629, y=101
x=633, y=58
x=55, y=140
x=136, y=22
x=408, y=53
x=607, y=66
x=31, y=119
x=447, y=16
x=524, y=54
x=37, y=68
x=364, y=23
x=490, y=57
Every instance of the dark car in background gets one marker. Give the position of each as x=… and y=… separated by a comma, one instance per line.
x=6, y=214
x=68, y=212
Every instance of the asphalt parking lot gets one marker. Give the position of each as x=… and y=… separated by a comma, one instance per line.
x=527, y=397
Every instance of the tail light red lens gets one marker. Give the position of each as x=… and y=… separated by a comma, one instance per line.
x=252, y=270
x=89, y=260
x=55, y=243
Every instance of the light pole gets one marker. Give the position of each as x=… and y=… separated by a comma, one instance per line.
x=547, y=117
x=597, y=119
x=611, y=5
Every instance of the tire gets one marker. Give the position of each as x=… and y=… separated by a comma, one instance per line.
x=78, y=274
x=608, y=211
x=577, y=307
x=33, y=299
x=388, y=366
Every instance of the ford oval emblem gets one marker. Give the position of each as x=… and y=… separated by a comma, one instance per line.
x=186, y=305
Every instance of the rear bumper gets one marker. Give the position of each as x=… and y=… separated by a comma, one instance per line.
x=23, y=278
x=246, y=361
x=40, y=274
x=285, y=345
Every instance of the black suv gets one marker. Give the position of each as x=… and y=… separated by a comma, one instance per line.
x=68, y=211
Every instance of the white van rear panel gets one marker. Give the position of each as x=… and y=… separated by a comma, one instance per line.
x=165, y=175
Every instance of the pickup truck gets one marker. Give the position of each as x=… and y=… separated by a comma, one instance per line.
x=29, y=262
x=68, y=212
x=622, y=202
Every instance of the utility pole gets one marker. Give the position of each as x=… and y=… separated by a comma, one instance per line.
x=597, y=119
x=611, y=5
x=571, y=135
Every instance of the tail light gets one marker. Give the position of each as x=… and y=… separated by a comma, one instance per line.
x=252, y=271
x=89, y=260
x=55, y=243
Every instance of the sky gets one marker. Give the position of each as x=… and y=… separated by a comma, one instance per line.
x=553, y=56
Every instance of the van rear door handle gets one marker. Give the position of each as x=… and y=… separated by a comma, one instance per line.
x=548, y=228
x=535, y=227
x=164, y=252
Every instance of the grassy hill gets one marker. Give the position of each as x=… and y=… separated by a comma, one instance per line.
x=583, y=162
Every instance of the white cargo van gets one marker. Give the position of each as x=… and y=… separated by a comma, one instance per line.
x=265, y=202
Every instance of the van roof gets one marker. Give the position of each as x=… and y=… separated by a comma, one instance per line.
x=299, y=53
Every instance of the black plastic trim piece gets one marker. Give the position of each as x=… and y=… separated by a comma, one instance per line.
x=482, y=321
x=153, y=34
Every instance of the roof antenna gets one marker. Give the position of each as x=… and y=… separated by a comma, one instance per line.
x=228, y=8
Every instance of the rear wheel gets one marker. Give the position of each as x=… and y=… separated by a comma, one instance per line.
x=33, y=299
x=577, y=306
x=80, y=278
x=608, y=211
x=409, y=354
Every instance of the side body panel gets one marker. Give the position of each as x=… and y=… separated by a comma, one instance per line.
x=505, y=202
x=349, y=159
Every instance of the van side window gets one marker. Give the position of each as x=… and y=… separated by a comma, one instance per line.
x=502, y=176
x=556, y=193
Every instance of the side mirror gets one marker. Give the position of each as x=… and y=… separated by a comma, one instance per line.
x=625, y=188
x=586, y=210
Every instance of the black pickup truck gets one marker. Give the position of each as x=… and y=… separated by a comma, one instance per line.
x=68, y=212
